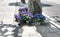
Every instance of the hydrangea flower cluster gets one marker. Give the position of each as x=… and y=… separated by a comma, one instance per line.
x=25, y=15
x=39, y=17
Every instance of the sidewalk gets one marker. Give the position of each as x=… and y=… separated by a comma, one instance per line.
x=55, y=1
x=35, y=30
x=10, y=31
x=52, y=11
x=48, y=30
x=7, y=11
x=30, y=31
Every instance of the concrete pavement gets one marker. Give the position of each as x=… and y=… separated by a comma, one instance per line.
x=48, y=30
x=52, y=10
x=10, y=31
x=7, y=11
x=55, y=1
x=32, y=30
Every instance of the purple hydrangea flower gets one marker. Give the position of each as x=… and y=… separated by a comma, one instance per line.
x=22, y=8
x=23, y=12
x=31, y=15
x=18, y=16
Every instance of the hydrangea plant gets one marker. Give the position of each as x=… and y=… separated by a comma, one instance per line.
x=27, y=16
x=40, y=18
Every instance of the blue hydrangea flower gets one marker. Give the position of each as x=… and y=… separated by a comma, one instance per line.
x=39, y=16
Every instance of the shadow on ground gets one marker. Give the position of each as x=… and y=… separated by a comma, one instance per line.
x=14, y=4
x=18, y=4
x=57, y=18
x=47, y=30
x=46, y=5
x=17, y=31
